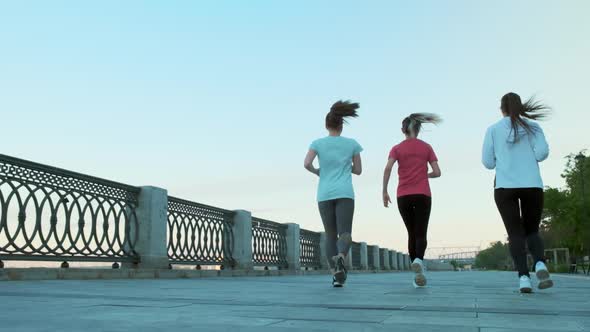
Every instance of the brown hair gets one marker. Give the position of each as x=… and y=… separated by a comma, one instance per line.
x=339, y=111
x=513, y=107
x=413, y=123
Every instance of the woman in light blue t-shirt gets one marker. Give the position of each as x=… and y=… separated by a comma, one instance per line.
x=339, y=158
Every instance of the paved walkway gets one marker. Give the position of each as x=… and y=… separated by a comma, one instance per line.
x=455, y=301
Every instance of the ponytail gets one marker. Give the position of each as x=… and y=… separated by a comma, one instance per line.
x=513, y=107
x=339, y=111
x=413, y=123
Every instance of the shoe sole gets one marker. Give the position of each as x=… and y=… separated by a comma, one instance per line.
x=526, y=290
x=420, y=278
x=340, y=276
x=544, y=279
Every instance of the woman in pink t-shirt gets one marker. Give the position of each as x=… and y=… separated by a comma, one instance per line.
x=413, y=190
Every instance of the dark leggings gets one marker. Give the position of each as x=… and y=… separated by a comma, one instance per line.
x=337, y=218
x=521, y=210
x=415, y=211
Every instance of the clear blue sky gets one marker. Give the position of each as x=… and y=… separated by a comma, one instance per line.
x=218, y=101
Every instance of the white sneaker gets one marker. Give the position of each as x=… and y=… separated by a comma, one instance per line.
x=525, y=285
x=418, y=268
x=543, y=276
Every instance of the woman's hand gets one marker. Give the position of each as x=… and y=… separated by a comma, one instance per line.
x=386, y=199
x=386, y=175
x=308, y=162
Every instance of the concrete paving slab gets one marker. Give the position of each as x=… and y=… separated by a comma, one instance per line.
x=454, y=301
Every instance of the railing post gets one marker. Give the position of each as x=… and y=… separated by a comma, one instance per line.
x=364, y=256
x=400, y=261
x=152, y=214
x=393, y=259
x=324, y=259
x=376, y=263
x=386, y=265
x=293, y=249
x=349, y=259
x=242, y=230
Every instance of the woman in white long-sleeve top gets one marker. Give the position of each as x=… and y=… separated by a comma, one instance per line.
x=514, y=146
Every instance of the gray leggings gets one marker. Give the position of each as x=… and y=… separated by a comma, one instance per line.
x=337, y=218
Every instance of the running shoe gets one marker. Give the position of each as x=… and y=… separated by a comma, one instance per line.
x=418, y=268
x=543, y=276
x=341, y=273
x=525, y=284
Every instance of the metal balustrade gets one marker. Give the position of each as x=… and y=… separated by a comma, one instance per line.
x=51, y=214
x=309, y=248
x=199, y=234
x=269, y=243
x=47, y=213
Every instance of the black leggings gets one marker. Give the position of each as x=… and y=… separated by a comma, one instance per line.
x=415, y=211
x=337, y=218
x=521, y=210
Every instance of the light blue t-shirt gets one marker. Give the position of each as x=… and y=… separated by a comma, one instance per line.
x=335, y=155
x=516, y=163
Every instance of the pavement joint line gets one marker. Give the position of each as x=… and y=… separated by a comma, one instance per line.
x=192, y=301
x=316, y=320
x=273, y=323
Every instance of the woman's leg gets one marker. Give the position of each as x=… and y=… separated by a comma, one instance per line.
x=531, y=202
x=328, y=215
x=423, y=205
x=509, y=207
x=405, y=206
x=344, y=215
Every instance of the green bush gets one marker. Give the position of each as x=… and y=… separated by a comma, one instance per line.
x=559, y=268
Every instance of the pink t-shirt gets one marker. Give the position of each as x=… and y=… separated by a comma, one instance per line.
x=413, y=156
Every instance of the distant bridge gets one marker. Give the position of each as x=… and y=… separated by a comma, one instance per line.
x=465, y=255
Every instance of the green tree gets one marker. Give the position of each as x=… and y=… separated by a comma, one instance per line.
x=496, y=257
x=566, y=216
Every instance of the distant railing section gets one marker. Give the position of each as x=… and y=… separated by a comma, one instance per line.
x=356, y=256
x=269, y=243
x=199, y=234
x=370, y=257
x=47, y=213
x=309, y=248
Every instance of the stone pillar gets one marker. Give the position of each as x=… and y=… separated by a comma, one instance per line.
x=386, y=265
x=324, y=253
x=293, y=248
x=349, y=259
x=242, y=230
x=364, y=256
x=376, y=262
x=400, y=261
x=393, y=258
x=406, y=261
x=152, y=214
